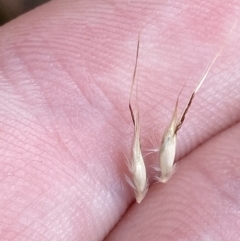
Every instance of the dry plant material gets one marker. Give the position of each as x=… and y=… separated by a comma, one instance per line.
x=136, y=164
x=169, y=141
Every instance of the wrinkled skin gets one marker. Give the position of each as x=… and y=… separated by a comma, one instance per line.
x=65, y=72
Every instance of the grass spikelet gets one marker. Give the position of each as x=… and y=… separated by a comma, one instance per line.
x=169, y=140
x=136, y=164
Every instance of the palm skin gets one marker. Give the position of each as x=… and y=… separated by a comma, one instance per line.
x=66, y=71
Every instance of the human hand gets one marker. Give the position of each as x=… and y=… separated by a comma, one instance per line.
x=66, y=71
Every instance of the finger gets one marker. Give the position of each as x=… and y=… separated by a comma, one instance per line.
x=65, y=78
x=200, y=202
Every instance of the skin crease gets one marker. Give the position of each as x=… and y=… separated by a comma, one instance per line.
x=65, y=72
